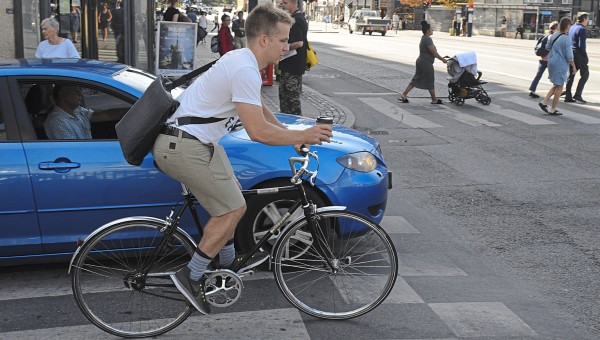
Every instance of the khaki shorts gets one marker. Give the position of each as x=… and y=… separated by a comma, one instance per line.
x=204, y=169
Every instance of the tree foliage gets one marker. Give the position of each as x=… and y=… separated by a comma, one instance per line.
x=449, y=3
x=412, y=3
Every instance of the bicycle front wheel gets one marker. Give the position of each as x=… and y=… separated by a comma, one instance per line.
x=343, y=269
x=335, y=25
x=120, y=291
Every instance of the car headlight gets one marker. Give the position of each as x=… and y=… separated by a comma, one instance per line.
x=360, y=161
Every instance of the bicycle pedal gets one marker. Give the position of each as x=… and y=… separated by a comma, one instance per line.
x=248, y=272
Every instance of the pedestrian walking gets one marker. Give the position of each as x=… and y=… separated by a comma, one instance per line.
x=224, y=36
x=216, y=22
x=543, y=62
x=75, y=19
x=559, y=60
x=292, y=68
x=424, y=77
x=54, y=46
x=202, y=27
x=239, y=31
x=578, y=37
x=104, y=19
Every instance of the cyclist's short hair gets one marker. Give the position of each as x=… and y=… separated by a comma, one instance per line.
x=264, y=19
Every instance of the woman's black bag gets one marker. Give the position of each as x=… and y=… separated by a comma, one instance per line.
x=140, y=126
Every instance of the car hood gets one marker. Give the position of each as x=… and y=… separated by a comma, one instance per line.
x=345, y=140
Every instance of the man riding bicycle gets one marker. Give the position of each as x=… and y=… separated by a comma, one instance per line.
x=188, y=150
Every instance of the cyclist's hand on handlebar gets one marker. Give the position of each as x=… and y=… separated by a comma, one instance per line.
x=301, y=149
x=318, y=134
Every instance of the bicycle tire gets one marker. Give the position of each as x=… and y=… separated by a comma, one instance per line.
x=105, y=290
x=365, y=255
x=335, y=25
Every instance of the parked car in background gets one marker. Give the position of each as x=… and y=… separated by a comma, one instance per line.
x=364, y=21
x=53, y=193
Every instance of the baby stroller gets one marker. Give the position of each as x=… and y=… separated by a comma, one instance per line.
x=462, y=83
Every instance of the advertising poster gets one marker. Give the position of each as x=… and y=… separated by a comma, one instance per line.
x=176, y=42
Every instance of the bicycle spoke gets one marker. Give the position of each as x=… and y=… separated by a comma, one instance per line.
x=359, y=271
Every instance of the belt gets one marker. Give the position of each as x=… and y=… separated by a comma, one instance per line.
x=173, y=131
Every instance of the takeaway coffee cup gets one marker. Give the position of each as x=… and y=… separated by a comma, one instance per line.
x=325, y=120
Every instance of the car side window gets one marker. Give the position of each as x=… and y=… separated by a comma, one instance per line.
x=70, y=111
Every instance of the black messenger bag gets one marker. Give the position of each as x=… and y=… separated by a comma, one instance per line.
x=140, y=126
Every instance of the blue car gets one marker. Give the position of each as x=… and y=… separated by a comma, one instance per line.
x=53, y=193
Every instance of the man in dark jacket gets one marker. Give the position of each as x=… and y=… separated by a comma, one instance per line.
x=292, y=68
x=578, y=36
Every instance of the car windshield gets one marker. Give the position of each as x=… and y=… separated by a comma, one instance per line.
x=370, y=14
x=140, y=80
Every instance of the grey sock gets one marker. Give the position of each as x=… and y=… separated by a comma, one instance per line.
x=227, y=254
x=198, y=266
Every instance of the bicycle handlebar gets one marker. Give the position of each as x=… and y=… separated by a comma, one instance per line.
x=304, y=159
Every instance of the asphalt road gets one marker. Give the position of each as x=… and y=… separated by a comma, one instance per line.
x=494, y=211
x=514, y=186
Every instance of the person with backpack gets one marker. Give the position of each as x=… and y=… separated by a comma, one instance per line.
x=542, y=52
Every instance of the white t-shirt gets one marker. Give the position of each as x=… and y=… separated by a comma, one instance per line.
x=235, y=78
x=202, y=22
x=65, y=49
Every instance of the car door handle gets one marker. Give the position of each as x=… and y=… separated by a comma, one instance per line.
x=60, y=164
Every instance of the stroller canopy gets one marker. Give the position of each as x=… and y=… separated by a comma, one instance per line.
x=461, y=62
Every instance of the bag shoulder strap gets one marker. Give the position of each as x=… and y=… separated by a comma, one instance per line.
x=183, y=79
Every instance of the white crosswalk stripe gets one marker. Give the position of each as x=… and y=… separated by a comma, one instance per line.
x=465, y=118
x=565, y=110
x=393, y=111
x=516, y=115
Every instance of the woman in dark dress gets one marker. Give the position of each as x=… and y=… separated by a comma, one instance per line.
x=104, y=20
x=424, y=77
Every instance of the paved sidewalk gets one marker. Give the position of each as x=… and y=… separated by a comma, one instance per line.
x=314, y=104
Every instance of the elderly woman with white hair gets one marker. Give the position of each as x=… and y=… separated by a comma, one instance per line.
x=54, y=46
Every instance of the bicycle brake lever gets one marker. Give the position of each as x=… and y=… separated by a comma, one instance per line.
x=312, y=178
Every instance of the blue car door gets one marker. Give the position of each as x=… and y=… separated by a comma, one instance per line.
x=19, y=229
x=79, y=185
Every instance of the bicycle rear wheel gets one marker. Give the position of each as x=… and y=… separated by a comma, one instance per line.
x=364, y=260
x=111, y=289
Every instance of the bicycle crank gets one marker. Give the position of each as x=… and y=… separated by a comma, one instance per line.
x=223, y=288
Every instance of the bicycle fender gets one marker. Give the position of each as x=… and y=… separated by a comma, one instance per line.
x=292, y=223
x=122, y=220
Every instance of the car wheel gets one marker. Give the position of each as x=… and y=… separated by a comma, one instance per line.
x=263, y=211
x=383, y=34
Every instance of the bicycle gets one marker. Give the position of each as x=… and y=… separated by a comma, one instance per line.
x=336, y=24
x=329, y=263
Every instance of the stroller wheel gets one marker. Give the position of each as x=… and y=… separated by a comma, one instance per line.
x=486, y=101
x=451, y=98
x=459, y=101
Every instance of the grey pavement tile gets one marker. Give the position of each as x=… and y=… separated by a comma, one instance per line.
x=398, y=225
x=420, y=265
x=476, y=319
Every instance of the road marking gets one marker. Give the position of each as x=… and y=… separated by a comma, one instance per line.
x=391, y=110
x=466, y=118
x=285, y=323
x=566, y=113
x=516, y=115
x=366, y=94
x=482, y=319
x=397, y=225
